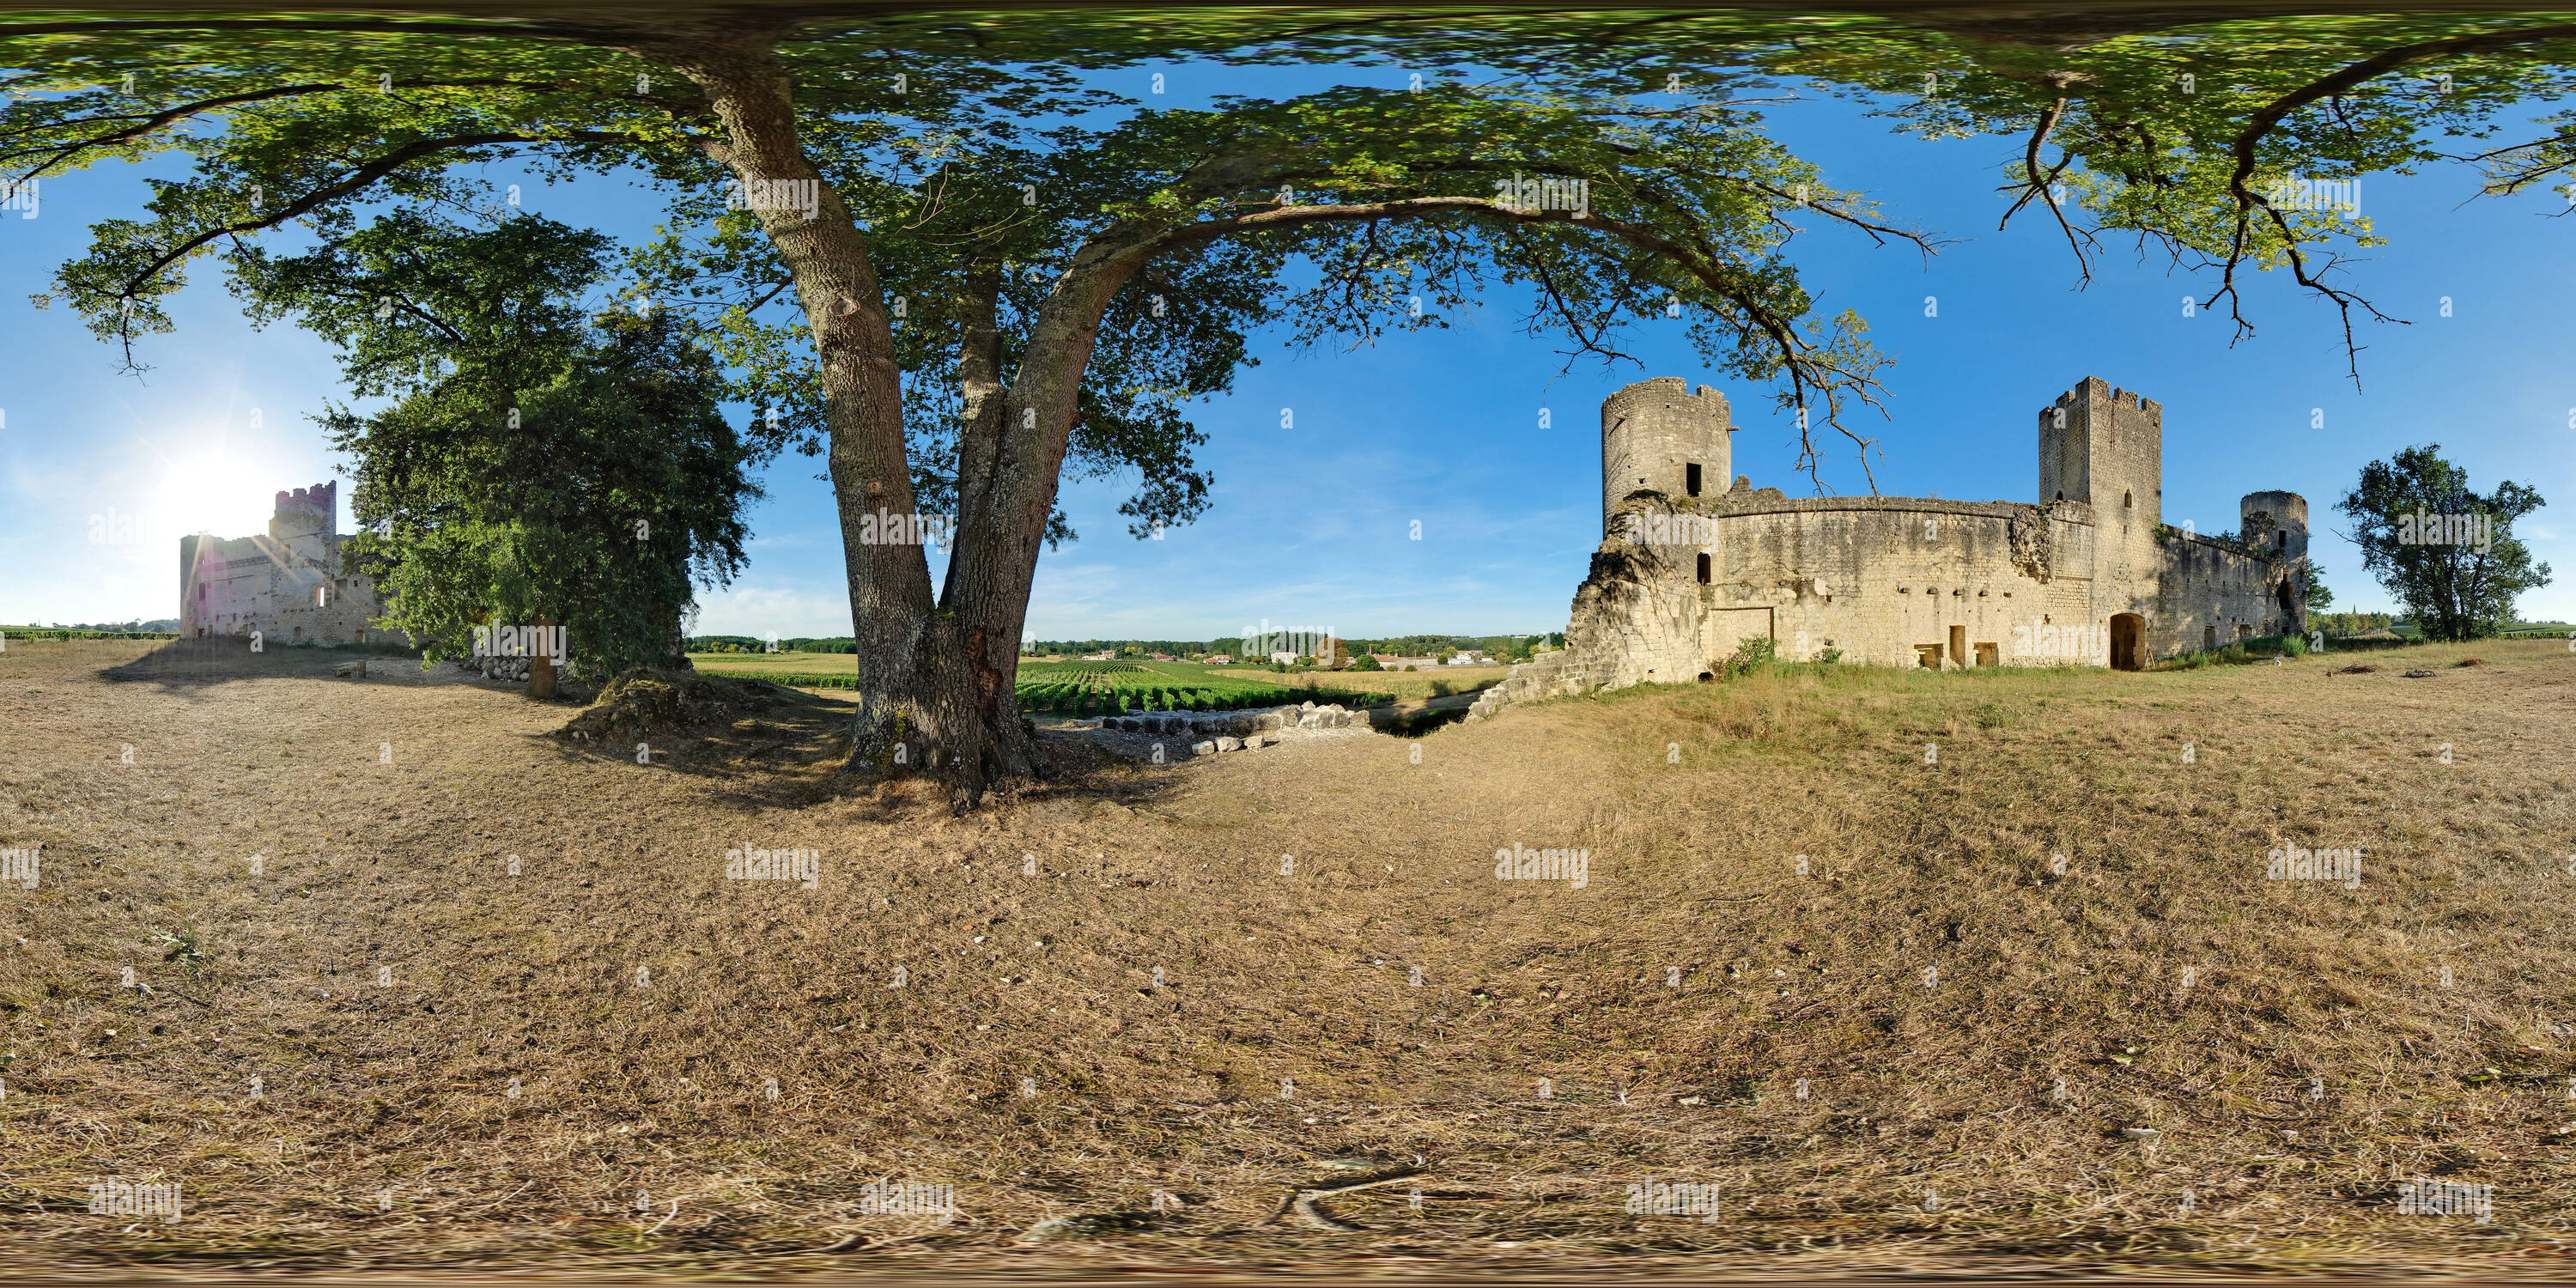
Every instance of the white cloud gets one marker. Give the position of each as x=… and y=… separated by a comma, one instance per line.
x=750, y=608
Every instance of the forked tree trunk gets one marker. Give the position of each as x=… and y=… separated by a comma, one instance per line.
x=934, y=681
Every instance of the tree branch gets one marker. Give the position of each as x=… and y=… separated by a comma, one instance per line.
x=357, y=179
x=2247, y=144
x=154, y=120
x=1807, y=370
x=2044, y=188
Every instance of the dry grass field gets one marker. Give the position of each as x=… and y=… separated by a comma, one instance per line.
x=1920, y=1052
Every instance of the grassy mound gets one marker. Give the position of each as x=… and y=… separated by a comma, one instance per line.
x=651, y=702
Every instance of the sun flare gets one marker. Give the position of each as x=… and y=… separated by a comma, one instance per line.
x=227, y=493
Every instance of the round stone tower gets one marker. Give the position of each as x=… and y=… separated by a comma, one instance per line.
x=1658, y=436
x=2275, y=523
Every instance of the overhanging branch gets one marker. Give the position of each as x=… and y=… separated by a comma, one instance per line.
x=357, y=180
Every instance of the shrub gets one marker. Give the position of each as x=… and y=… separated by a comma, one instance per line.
x=1830, y=656
x=1758, y=651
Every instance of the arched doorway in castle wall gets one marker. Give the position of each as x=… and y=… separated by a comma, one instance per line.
x=2128, y=639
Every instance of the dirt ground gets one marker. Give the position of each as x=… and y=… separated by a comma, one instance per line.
x=1822, y=962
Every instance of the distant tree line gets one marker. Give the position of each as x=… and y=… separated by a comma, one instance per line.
x=2350, y=623
x=164, y=626
x=760, y=644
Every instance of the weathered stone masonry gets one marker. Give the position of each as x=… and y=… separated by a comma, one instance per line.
x=2086, y=576
x=288, y=585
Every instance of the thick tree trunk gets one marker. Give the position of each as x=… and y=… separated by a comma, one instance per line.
x=541, y=665
x=935, y=680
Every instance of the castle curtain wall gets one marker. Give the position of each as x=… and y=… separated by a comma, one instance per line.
x=1879, y=578
x=2213, y=592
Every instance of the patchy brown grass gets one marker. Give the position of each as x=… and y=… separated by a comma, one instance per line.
x=1287, y=1031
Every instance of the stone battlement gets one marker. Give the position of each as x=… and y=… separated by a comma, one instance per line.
x=2095, y=387
x=323, y=497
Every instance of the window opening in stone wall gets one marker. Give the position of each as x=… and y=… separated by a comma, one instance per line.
x=1703, y=570
x=2124, y=500
x=1690, y=478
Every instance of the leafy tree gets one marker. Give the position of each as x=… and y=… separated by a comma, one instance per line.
x=1366, y=662
x=2319, y=597
x=2447, y=553
x=537, y=466
x=621, y=489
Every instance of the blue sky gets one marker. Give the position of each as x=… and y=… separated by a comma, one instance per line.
x=1313, y=527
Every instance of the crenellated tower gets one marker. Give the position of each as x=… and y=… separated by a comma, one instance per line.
x=307, y=512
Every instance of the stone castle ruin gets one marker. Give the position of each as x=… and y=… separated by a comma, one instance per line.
x=1690, y=570
x=287, y=585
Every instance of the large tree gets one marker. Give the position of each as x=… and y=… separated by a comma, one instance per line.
x=542, y=461
x=980, y=302
x=2444, y=550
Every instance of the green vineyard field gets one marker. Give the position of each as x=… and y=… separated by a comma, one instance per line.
x=1113, y=688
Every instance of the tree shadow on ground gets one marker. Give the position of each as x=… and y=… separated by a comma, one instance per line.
x=789, y=749
x=224, y=659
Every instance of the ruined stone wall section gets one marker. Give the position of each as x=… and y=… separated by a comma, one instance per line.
x=1653, y=431
x=1637, y=618
x=2216, y=592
